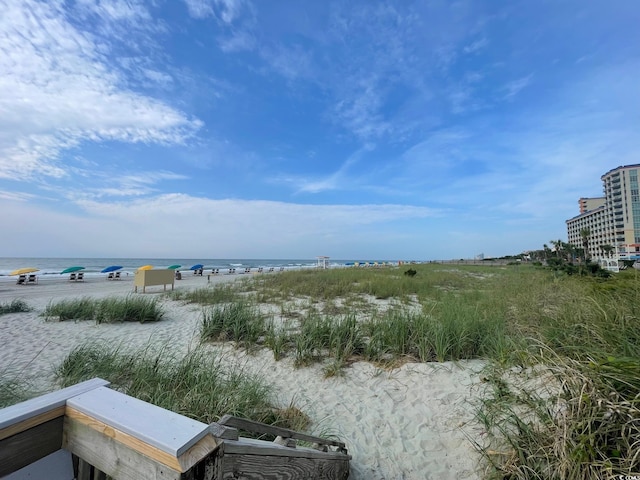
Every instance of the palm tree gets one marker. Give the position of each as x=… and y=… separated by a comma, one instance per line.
x=557, y=246
x=607, y=249
x=585, y=233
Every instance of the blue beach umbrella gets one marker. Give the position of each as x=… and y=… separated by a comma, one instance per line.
x=112, y=268
x=71, y=270
x=197, y=266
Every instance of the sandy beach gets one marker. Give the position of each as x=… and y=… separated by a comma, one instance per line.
x=412, y=422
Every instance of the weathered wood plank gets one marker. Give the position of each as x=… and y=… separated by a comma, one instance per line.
x=168, y=431
x=111, y=456
x=37, y=409
x=30, y=422
x=224, y=432
x=257, y=427
x=31, y=445
x=84, y=469
x=259, y=467
x=251, y=446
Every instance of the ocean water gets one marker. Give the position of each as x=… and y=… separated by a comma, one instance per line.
x=93, y=266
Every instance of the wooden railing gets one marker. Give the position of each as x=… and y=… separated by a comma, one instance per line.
x=284, y=436
x=107, y=434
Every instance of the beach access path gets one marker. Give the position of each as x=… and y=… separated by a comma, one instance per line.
x=412, y=422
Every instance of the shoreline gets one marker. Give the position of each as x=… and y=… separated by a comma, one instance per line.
x=412, y=422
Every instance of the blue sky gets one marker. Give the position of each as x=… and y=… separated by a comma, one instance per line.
x=291, y=129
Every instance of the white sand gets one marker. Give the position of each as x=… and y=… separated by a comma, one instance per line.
x=413, y=422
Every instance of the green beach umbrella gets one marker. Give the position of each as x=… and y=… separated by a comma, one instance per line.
x=71, y=270
x=174, y=267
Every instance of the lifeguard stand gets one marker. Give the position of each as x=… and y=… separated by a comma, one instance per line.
x=322, y=262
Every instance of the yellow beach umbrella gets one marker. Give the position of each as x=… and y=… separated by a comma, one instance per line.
x=24, y=271
x=145, y=267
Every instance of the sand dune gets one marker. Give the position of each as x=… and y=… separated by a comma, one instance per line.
x=412, y=422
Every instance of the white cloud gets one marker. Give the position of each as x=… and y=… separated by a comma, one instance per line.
x=182, y=225
x=237, y=42
x=131, y=11
x=57, y=91
x=199, y=8
x=516, y=86
x=230, y=10
x=133, y=185
x=226, y=11
x=475, y=46
x=15, y=196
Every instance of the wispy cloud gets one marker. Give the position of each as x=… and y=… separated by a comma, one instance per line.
x=15, y=196
x=132, y=185
x=131, y=11
x=514, y=87
x=200, y=8
x=237, y=41
x=340, y=179
x=58, y=92
x=475, y=46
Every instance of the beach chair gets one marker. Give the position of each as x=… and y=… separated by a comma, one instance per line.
x=282, y=269
x=117, y=277
x=110, y=276
x=32, y=279
x=72, y=277
x=80, y=277
x=247, y=270
x=260, y=270
x=22, y=280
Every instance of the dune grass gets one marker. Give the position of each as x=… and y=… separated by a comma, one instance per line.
x=14, y=389
x=197, y=385
x=15, y=306
x=109, y=310
x=575, y=419
x=574, y=410
x=238, y=321
x=211, y=295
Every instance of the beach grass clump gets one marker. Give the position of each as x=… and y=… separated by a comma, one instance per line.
x=213, y=295
x=238, y=321
x=277, y=339
x=575, y=419
x=14, y=389
x=197, y=384
x=84, y=308
x=108, y=310
x=452, y=330
x=129, y=309
x=15, y=306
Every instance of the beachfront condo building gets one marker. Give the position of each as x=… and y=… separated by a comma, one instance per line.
x=611, y=224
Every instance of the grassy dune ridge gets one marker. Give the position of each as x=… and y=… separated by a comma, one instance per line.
x=562, y=380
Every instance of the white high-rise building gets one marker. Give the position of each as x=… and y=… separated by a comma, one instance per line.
x=611, y=223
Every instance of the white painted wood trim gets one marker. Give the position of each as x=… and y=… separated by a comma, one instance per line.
x=166, y=430
x=30, y=408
